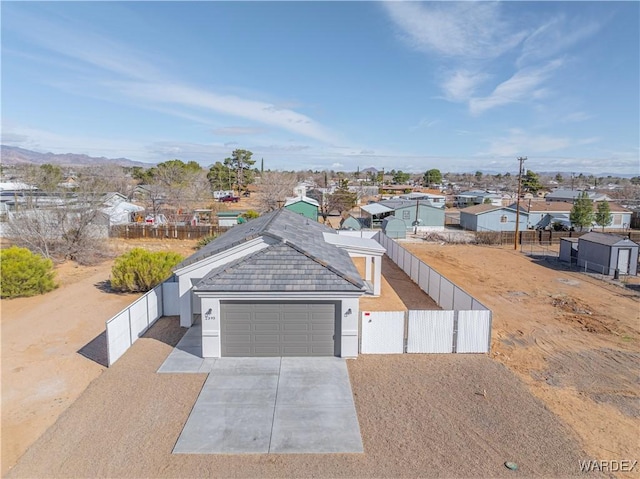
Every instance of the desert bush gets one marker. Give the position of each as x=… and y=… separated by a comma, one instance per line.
x=488, y=237
x=205, y=240
x=250, y=215
x=140, y=270
x=23, y=273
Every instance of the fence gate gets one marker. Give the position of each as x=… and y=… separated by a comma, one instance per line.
x=430, y=332
x=382, y=332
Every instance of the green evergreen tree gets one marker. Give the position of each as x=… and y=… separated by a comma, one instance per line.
x=603, y=215
x=432, y=176
x=581, y=214
x=531, y=182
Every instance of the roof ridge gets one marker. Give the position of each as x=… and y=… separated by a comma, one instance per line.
x=225, y=268
x=322, y=263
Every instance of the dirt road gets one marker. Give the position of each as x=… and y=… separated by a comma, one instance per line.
x=573, y=339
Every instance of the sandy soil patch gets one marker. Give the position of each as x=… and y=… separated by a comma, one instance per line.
x=573, y=339
x=43, y=341
x=42, y=372
x=420, y=415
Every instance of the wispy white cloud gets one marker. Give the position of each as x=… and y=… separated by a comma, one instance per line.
x=554, y=37
x=577, y=116
x=524, y=85
x=462, y=84
x=128, y=72
x=472, y=30
x=468, y=37
x=518, y=142
x=238, y=130
x=199, y=99
x=423, y=124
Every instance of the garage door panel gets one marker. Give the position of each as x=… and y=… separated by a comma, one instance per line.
x=278, y=329
x=239, y=327
x=297, y=326
x=259, y=327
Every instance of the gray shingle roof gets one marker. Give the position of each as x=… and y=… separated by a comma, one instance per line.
x=301, y=235
x=280, y=267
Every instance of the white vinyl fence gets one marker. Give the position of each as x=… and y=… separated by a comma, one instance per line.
x=443, y=291
x=429, y=331
x=464, y=325
x=382, y=332
x=128, y=325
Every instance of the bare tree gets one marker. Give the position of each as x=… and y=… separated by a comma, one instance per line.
x=274, y=188
x=71, y=228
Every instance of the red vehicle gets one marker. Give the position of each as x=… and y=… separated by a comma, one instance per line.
x=229, y=199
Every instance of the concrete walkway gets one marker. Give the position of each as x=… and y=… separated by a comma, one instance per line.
x=269, y=405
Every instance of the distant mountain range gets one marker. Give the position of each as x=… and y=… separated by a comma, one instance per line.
x=12, y=155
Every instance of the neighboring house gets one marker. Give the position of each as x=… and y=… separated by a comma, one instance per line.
x=434, y=199
x=488, y=217
x=303, y=205
x=603, y=253
x=279, y=285
x=429, y=217
x=113, y=198
x=476, y=197
x=122, y=213
x=542, y=214
x=571, y=195
x=302, y=188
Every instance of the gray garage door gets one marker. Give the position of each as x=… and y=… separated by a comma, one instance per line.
x=277, y=329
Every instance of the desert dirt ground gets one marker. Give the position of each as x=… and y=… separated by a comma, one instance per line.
x=468, y=414
x=43, y=340
x=53, y=346
x=420, y=415
x=572, y=338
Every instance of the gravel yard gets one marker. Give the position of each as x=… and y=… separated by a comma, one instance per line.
x=420, y=415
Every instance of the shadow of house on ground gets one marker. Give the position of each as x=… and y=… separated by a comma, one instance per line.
x=408, y=291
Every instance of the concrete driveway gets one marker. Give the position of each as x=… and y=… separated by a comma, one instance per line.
x=273, y=405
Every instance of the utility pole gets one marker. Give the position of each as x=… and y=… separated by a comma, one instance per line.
x=515, y=240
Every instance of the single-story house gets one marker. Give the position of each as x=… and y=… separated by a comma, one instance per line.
x=429, y=217
x=572, y=195
x=476, y=197
x=434, y=199
x=278, y=285
x=488, y=217
x=603, y=253
x=307, y=207
x=122, y=212
x=544, y=213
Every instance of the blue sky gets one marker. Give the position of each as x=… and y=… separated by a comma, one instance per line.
x=328, y=85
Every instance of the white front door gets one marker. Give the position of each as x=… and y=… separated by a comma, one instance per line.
x=623, y=260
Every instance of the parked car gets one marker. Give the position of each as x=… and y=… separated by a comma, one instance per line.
x=229, y=199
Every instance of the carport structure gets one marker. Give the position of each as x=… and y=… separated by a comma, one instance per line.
x=279, y=285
